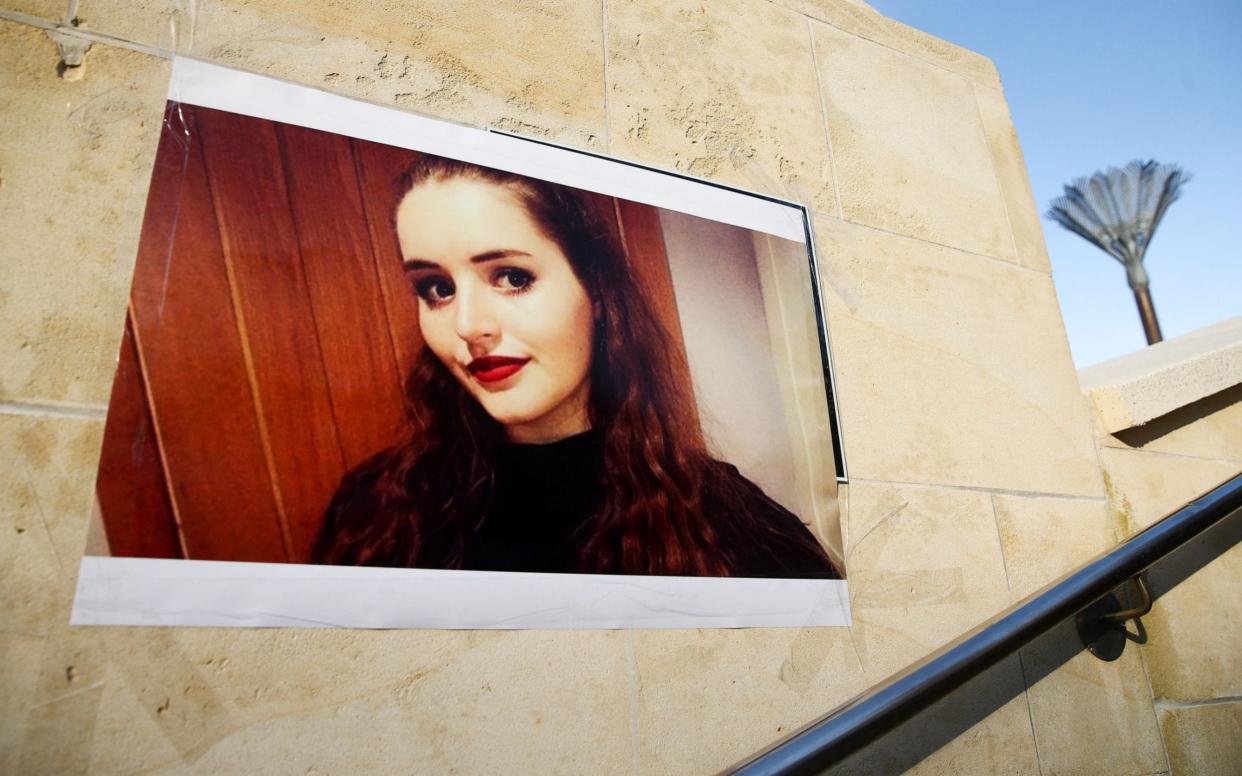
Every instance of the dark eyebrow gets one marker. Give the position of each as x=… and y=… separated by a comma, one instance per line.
x=482, y=258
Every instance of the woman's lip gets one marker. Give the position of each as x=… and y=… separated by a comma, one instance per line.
x=492, y=369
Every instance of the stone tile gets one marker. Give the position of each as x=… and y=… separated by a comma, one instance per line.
x=1114, y=704
x=1144, y=487
x=1090, y=716
x=982, y=728
x=1194, y=630
x=20, y=655
x=59, y=723
x=1000, y=744
x=1196, y=623
x=723, y=90
x=30, y=575
x=1208, y=428
x=909, y=148
x=216, y=701
x=76, y=162
x=45, y=495
x=925, y=567
x=710, y=698
x=49, y=10
x=1045, y=538
x=48, y=479
x=858, y=18
x=45, y=489
x=532, y=69
x=1015, y=184
x=975, y=385
x=1203, y=740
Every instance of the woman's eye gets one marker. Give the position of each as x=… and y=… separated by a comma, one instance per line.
x=513, y=279
x=434, y=290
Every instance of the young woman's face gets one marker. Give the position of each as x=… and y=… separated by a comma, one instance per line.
x=499, y=305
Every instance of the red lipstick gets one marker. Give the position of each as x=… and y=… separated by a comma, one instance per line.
x=493, y=369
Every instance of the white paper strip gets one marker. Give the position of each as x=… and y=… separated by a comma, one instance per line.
x=145, y=591
x=212, y=86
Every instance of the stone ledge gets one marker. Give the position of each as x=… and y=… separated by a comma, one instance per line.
x=1138, y=387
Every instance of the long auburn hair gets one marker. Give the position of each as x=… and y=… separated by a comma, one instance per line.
x=668, y=507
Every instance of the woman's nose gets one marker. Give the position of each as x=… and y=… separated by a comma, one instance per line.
x=474, y=319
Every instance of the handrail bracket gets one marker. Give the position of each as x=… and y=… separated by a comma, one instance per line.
x=1101, y=626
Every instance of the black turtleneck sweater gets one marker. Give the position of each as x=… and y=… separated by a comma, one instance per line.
x=544, y=495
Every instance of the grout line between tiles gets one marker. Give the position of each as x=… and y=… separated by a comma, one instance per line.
x=1030, y=711
x=823, y=115
x=929, y=62
x=1170, y=455
x=996, y=177
x=1151, y=695
x=979, y=489
x=1001, y=544
x=604, y=37
x=1115, y=534
x=47, y=529
x=633, y=651
x=959, y=249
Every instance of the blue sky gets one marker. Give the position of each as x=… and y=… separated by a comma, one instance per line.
x=1096, y=83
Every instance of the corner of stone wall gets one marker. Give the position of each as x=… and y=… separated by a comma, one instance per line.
x=1168, y=424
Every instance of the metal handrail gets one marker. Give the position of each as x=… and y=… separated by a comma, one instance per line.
x=858, y=722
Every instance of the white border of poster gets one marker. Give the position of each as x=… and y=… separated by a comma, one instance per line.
x=146, y=591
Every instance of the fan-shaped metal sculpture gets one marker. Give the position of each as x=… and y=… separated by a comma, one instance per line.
x=1118, y=212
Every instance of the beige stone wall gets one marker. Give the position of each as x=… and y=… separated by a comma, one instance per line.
x=975, y=473
x=1192, y=656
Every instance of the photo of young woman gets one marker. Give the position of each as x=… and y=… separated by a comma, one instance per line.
x=346, y=354
x=546, y=431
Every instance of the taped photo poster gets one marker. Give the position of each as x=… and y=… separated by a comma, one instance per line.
x=380, y=370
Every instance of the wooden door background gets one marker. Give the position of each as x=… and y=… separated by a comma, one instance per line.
x=268, y=333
